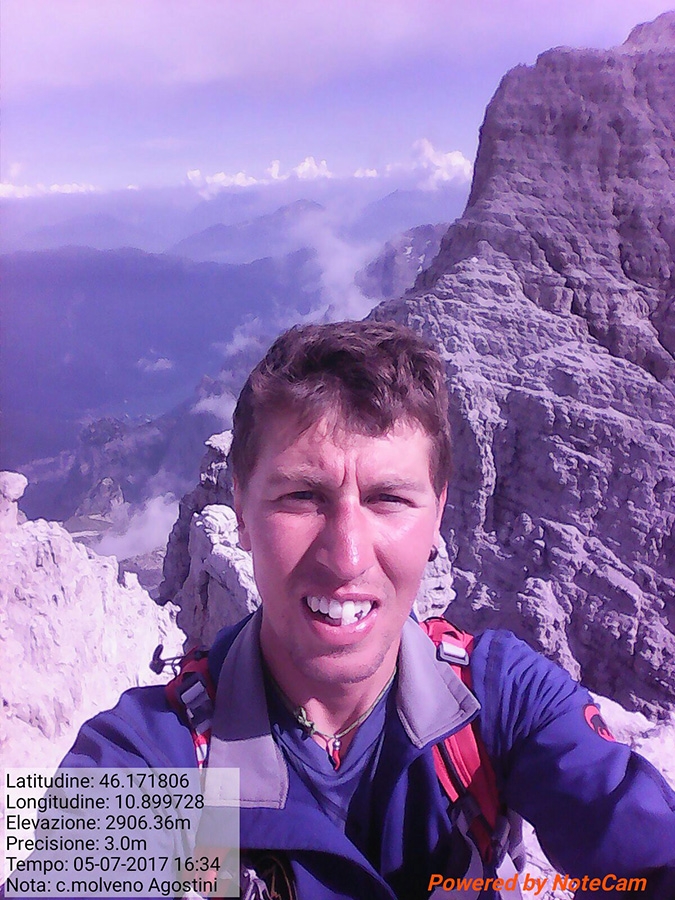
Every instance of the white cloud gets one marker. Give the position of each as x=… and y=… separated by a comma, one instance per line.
x=161, y=364
x=208, y=185
x=219, y=405
x=427, y=166
x=339, y=261
x=222, y=180
x=309, y=169
x=441, y=167
x=13, y=191
x=274, y=171
x=146, y=530
x=430, y=168
x=194, y=176
x=436, y=167
x=245, y=337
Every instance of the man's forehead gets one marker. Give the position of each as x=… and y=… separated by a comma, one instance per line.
x=290, y=431
x=325, y=448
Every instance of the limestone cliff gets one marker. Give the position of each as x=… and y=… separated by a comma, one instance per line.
x=552, y=298
x=575, y=184
x=73, y=637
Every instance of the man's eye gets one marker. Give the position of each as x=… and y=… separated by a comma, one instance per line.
x=299, y=497
x=391, y=499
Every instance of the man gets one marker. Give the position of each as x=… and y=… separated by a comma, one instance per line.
x=331, y=698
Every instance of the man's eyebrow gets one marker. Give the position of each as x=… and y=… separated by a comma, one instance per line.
x=305, y=475
x=312, y=478
x=390, y=484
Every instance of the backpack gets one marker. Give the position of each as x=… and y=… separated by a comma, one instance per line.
x=463, y=766
x=461, y=761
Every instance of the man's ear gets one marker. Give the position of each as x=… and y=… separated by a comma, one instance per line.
x=238, y=494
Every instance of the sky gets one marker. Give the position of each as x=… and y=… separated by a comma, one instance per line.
x=111, y=94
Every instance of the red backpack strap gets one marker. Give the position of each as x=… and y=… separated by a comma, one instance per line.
x=461, y=760
x=191, y=693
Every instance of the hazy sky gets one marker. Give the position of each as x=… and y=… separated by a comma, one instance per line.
x=110, y=93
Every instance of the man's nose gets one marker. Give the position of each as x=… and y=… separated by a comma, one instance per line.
x=346, y=546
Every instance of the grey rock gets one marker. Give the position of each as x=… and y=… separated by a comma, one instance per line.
x=74, y=636
x=219, y=589
x=552, y=300
x=215, y=487
x=436, y=589
x=395, y=268
x=12, y=486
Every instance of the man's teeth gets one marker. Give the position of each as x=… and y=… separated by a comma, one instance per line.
x=346, y=612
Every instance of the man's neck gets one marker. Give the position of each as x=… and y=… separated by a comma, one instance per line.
x=331, y=706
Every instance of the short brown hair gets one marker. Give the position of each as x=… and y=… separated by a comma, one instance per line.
x=373, y=374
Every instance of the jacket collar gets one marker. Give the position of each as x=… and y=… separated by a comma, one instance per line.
x=431, y=701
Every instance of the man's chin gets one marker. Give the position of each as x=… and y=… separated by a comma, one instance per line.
x=343, y=668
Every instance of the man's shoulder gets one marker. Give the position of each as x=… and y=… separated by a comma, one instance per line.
x=501, y=660
x=140, y=730
x=222, y=643
x=520, y=691
x=143, y=728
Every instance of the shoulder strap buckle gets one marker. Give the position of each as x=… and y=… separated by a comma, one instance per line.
x=196, y=702
x=451, y=653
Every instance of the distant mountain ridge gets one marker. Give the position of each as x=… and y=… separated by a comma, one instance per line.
x=92, y=333
x=275, y=234
x=100, y=231
x=362, y=210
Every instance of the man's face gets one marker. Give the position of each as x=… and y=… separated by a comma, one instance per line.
x=340, y=526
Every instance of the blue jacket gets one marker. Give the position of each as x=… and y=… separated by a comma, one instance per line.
x=597, y=807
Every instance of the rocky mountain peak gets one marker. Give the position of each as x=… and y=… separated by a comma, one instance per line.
x=553, y=298
x=658, y=35
x=575, y=183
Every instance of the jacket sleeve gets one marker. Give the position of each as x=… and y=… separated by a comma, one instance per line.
x=597, y=807
x=141, y=730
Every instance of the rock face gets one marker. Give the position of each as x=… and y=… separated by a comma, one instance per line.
x=552, y=298
x=73, y=636
x=575, y=184
x=215, y=487
x=401, y=260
